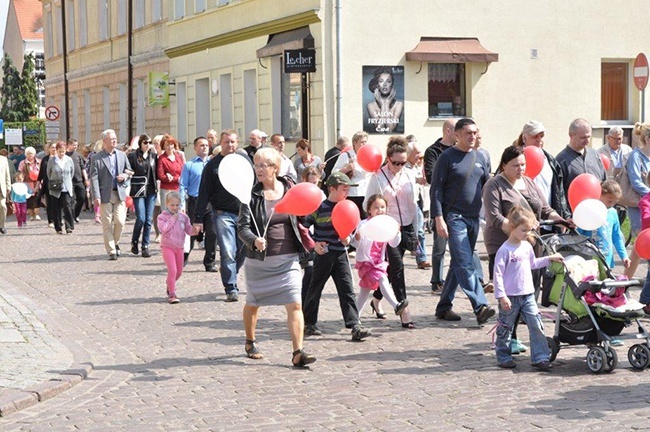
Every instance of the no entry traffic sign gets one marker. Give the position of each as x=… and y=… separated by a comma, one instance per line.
x=52, y=113
x=641, y=71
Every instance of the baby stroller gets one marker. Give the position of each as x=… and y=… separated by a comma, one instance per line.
x=592, y=306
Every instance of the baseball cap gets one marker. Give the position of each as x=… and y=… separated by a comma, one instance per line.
x=533, y=127
x=338, y=178
x=263, y=134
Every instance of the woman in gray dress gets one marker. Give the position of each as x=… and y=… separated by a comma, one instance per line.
x=272, y=267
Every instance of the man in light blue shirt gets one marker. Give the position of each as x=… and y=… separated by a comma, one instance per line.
x=189, y=189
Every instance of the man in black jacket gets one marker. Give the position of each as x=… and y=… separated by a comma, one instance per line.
x=439, y=243
x=79, y=179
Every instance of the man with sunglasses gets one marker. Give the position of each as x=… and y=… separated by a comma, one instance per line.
x=456, y=188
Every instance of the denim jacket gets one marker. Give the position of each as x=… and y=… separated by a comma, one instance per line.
x=638, y=166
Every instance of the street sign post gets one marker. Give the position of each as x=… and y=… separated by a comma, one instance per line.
x=641, y=79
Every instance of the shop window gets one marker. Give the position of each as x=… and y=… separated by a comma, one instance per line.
x=614, y=90
x=291, y=106
x=446, y=94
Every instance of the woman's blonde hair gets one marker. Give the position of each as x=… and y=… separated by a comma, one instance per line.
x=643, y=130
x=269, y=155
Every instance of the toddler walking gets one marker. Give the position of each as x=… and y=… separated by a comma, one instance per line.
x=173, y=226
x=515, y=292
x=371, y=262
x=20, y=192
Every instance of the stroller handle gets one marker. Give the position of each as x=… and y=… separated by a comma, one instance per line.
x=563, y=223
x=615, y=283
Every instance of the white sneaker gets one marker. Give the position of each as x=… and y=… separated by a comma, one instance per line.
x=38, y=217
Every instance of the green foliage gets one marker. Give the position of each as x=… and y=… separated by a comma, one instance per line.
x=19, y=97
x=33, y=133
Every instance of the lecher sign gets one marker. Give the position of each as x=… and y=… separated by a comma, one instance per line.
x=299, y=61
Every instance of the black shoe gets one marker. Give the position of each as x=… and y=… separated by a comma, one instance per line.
x=436, y=288
x=401, y=307
x=111, y=257
x=145, y=252
x=312, y=330
x=117, y=250
x=507, y=365
x=3, y=231
x=543, y=366
x=211, y=269
x=375, y=310
x=134, y=248
x=359, y=333
x=484, y=314
x=448, y=315
x=76, y=220
x=68, y=231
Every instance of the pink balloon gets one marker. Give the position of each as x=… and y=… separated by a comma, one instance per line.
x=606, y=162
x=129, y=201
x=300, y=200
x=345, y=218
x=370, y=158
x=534, y=161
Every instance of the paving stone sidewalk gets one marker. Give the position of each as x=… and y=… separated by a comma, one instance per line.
x=155, y=366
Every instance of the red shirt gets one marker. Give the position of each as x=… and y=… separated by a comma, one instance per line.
x=173, y=167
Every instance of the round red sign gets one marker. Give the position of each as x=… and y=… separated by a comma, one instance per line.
x=641, y=71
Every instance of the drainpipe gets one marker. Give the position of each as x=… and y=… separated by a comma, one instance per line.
x=338, y=69
x=65, y=71
x=129, y=70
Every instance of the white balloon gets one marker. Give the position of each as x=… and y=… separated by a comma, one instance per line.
x=380, y=228
x=590, y=214
x=237, y=176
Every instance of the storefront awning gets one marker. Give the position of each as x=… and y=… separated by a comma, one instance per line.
x=299, y=38
x=450, y=50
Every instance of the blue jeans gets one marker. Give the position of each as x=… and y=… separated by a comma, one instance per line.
x=421, y=252
x=463, y=232
x=527, y=307
x=144, y=217
x=635, y=219
x=645, y=292
x=231, y=254
x=438, y=258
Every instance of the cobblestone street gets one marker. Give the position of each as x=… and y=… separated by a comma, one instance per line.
x=66, y=310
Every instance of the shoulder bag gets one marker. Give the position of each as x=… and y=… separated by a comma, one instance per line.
x=629, y=197
x=410, y=240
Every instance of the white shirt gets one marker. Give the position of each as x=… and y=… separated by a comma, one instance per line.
x=359, y=175
x=402, y=191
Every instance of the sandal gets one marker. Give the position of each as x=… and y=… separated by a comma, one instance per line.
x=408, y=325
x=375, y=310
x=303, y=360
x=252, y=351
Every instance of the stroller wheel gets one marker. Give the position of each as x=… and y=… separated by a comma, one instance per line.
x=554, y=347
x=639, y=356
x=612, y=360
x=596, y=359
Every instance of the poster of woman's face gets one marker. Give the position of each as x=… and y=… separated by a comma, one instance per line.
x=383, y=99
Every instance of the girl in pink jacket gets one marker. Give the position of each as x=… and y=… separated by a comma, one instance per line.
x=173, y=226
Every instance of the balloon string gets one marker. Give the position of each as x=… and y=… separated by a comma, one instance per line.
x=335, y=156
x=347, y=256
x=268, y=222
x=253, y=218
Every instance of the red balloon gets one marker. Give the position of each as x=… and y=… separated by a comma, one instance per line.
x=583, y=187
x=606, y=162
x=534, y=161
x=370, y=158
x=642, y=244
x=129, y=201
x=346, y=149
x=345, y=218
x=300, y=200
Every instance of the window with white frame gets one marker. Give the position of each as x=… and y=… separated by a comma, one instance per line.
x=181, y=113
x=222, y=2
x=59, y=29
x=69, y=24
x=139, y=13
x=49, y=46
x=140, y=111
x=121, y=17
x=83, y=24
x=179, y=9
x=87, y=117
x=102, y=13
x=200, y=5
x=121, y=136
x=446, y=90
x=107, y=107
x=156, y=10
x=75, y=116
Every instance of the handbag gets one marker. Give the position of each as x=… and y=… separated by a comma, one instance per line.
x=55, y=185
x=409, y=240
x=139, y=186
x=629, y=197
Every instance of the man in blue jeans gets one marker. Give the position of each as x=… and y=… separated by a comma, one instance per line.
x=457, y=184
x=225, y=208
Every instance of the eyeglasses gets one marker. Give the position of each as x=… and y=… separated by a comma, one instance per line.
x=263, y=166
x=397, y=164
x=146, y=142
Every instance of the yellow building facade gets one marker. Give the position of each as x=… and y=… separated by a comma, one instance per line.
x=382, y=66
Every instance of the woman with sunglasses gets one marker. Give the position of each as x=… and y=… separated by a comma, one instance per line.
x=397, y=185
x=144, y=163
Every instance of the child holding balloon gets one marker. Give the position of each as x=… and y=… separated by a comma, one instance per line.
x=609, y=236
x=371, y=260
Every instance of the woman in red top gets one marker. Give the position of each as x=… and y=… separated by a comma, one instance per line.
x=170, y=165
